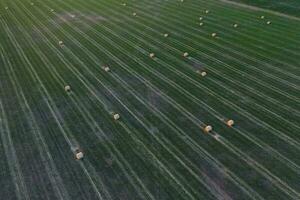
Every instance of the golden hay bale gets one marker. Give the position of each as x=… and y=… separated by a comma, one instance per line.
x=106, y=68
x=203, y=74
x=151, y=55
x=79, y=155
x=67, y=88
x=185, y=54
x=230, y=123
x=207, y=129
x=116, y=116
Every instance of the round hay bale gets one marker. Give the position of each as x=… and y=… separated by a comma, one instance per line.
x=206, y=11
x=78, y=154
x=262, y=17
x=60, y=43
x=151, y=55
x=52, y=10
x=269, y=22
x=116, y=116
x=124, y=4
x=67, y=88
x=214, y=34
x=6, y=8
x=207, y=129
x=200, y=18
x=106, y=68
x=201, y=24
x=166, y=35
x=230, y=123
x=203, y=73
x=134, y=14
x=185, y=54
x=235, y=25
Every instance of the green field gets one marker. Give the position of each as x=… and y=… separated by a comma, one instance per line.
x=157, y=149
x=290, y=7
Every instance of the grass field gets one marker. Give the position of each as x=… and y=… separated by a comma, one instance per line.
x=290, y=7
x=157, y=149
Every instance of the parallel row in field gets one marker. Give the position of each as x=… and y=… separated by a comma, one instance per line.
x=157, y=149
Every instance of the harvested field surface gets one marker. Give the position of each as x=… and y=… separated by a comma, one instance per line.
x=290, y=7
x=192, y=99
